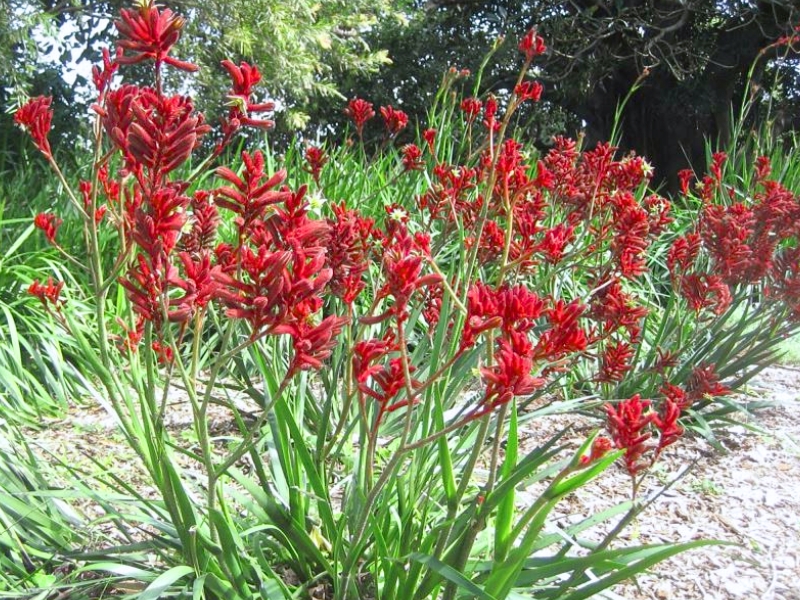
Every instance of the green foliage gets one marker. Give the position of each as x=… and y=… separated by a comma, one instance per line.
x=395, y=475
x=37, y=527
x=39, y=370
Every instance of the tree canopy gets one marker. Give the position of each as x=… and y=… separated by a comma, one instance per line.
x=689, y=60
x=302, y=47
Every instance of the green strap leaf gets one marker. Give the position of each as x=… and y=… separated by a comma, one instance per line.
x=164, y=581
x=450, y=574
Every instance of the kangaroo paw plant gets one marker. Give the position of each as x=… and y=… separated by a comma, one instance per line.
x=396, y=338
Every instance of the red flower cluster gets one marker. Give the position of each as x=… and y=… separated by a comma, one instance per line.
x=471, y=107
x=615, y=361
x=529, y=91
x=402, y=265
x=244, y=78
x=412, y=157
x=150, y=35
x=359, y=111
x=250, y=196
x=49, y=293
x=747, y=243
x=388, y=378
x=600, y=447
x=394, y=120
x=518, y=312
x=315, y=160
x=429, y=135
x=628, y=421
x=154, y=131
x=49, y=224
x=532, y=45
x=36, y=116
x=102, y=77
x=348, y=251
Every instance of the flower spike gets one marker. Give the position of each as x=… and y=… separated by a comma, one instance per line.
x=150, y=34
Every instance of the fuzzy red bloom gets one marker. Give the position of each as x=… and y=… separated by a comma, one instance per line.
x=658, y=210
x=555, y=241
x=704, y=384
x=261, y=299
x=564, y=336
x=471, y=107
x=164, y=132
x=200, y=284
x=510, y=376
x=48, y=293
x=616, y=309
x=706, y=291
x=102, y=78
x=164, y=353
x=667, y=423
x=348, y=251
x=683, y=253
x=367, y=352
x=718, y=160
x=205, y=220
x=515, y=309
x=157, y=225
x=244, y=78
x=676, y=395
x=532, y=45
x=490, y=114
x=388, y=378
x=615, y=361
x=250, y=195
x=402, y=267
x=519, y=308
x=529, y=90
x=359, y=111
x=116, y=113
x=145, y=285
x=429, y=135
x=763, y=168
x=99, y=214
x=391, y=381
x=726, y=231
x=632, y=228
x=600, y=447
x=394, y=120
x=627, y=422
x=483, y=313
x=36, y=116
x=312, y=344
x=130, y=339
x=49, y=224
x=315, y=160
x=412, y=157
x=150, y=34
x=685, y=177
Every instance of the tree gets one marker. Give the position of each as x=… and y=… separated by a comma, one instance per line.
x=301, y=48
x=689, y=58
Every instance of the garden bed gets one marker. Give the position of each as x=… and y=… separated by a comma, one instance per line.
x=749, y=495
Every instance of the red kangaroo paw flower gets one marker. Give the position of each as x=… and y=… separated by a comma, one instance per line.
x=36, y=116
x=150, y=34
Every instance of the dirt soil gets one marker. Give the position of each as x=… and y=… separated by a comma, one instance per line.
x=748, y=495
